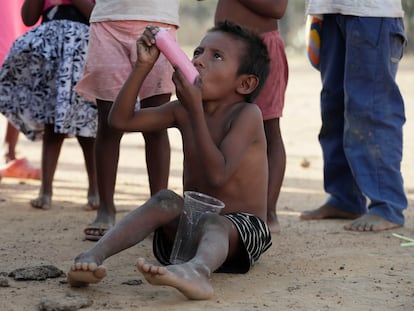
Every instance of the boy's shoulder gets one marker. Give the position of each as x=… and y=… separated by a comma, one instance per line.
x=246, y=117
x=249, y=110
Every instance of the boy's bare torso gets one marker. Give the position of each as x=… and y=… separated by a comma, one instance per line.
x=245, y=190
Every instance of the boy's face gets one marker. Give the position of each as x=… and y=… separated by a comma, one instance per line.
x=217, y=59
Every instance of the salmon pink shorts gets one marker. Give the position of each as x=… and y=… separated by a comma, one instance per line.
x=272, y=97
x=111, y=56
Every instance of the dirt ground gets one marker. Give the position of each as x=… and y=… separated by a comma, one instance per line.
x=313, y=265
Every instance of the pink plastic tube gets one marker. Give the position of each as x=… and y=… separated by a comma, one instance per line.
x=175, y=55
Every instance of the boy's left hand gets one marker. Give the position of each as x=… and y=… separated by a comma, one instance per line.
x=188, y=94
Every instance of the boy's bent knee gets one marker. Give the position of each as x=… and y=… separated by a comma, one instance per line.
x=167, y=199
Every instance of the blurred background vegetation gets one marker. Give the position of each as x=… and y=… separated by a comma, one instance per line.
x=197, y=16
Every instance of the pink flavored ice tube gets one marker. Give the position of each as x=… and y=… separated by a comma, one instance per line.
x=175, y=55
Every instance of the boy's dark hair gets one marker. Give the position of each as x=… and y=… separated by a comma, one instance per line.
x=254, y=59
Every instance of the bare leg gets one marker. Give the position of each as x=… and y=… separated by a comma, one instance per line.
x=157, y=149
x=327, y=211
x=106, y=156
x=12, y=136
x=192, y=278
x=52, y=144
x=370, y=222
x=88, y=148
x=277, y=164
x=162, y=209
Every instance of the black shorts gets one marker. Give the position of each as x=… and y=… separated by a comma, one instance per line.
x=254, y=235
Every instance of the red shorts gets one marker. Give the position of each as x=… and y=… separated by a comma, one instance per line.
x=272, y=97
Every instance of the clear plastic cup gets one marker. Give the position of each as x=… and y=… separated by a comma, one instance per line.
x=196, y=204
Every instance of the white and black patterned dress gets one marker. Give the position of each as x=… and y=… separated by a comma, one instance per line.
x=38, y=76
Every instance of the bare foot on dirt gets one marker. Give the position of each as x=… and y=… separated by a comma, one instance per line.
x=273, y=222
x=327, y=211
x=85, y=273
x=370, y=222
x=42, y=201
x=191, y=280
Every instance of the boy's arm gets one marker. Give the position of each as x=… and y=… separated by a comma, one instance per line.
x=245, y=132
x=84, y=6
x=270, y=8
x=220, y=163
x=123, y=115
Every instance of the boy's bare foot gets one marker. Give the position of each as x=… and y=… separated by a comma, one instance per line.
x=84, y=272
x=43, y=201
x=273, y=222
x=327, y=211
x=370, y=222
x=193, y=282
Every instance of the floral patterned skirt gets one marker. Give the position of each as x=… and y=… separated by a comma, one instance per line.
x=37, y=81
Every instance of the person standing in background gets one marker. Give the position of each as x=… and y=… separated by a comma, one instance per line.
x=362, y=112
x=262, y=17
x=11, y=27
x=36, y=87
x=115, y=25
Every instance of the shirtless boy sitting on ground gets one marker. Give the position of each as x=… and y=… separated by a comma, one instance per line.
x=224, y=149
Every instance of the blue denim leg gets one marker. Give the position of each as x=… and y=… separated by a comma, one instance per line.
x=372, y=118
x=339, y=181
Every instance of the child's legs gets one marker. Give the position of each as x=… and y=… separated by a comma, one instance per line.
x=107, y=156
x=12, y=136
x=88, y=148
x=162, y=209
x=157, y=149
x=374, y=112
x=52, y=144
x=339, y=182
x=218, y=238
x=277, y=163
x=219, y=241
x=271, y=102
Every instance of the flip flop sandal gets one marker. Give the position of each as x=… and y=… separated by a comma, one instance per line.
x=20, y=168
x=99, y=228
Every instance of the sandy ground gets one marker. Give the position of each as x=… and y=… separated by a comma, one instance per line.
x=312, y=265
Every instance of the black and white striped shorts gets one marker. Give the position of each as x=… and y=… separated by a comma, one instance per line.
x=254, y=235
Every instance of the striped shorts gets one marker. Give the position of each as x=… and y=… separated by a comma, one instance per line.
x=254, y=235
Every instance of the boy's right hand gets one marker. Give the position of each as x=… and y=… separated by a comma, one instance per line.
x=147, y=51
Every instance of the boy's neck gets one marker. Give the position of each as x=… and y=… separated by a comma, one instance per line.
x=213, y=107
